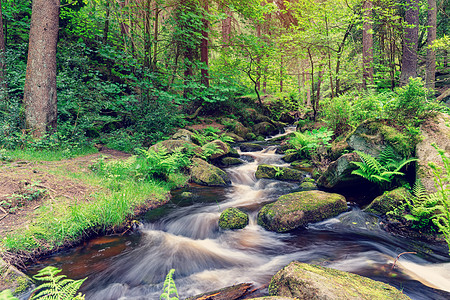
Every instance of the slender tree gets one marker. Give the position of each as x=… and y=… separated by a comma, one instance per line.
x=40, y=83
x=3, y=85
x=410, y=41
x=367, y=37
x=430, y=75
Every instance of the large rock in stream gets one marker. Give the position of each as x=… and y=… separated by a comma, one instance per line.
x=279, y=173
x=206, y=174
x=296, y=210
x=339, y=173
x=388, y=201
x=304, y=281
x=434, y=130
x=233, y=218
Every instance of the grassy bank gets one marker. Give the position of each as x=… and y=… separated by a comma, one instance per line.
x=63, y=216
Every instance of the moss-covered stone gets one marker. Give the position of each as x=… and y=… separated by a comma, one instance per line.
x=291, y=157
x=279, y=173
x=304, y=281
x=13, y=279
x=303, y=165
x=236, y=138
x=339, y=173
x=306, y=186
x=222, y=146
x=250, y=147
x=298, y=209
x=183, y=134
x=206, y=174
x=388, y=201
x=250, y=136
x=374, y=136
x=241, y=130
x=265, y=129
x=231, y=161
x=233, y=218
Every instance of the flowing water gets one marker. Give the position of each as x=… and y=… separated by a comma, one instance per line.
x=184, y=235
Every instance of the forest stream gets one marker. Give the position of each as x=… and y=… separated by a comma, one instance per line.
x=184, y=235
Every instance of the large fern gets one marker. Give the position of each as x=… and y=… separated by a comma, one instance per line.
x=169, y=290
x=56, y=287
x=381, y=170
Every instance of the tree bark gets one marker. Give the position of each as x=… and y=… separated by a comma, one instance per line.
x=367, y=37
x=430, y=75
x=226, y=28
x=204, y=46
x=106, y=26
x=40, y=82
x=3, y=84
x=410, y=40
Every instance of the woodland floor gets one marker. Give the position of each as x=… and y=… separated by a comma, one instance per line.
x=21, y=177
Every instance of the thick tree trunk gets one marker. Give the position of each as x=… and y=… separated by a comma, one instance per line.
x=40, y=82
x=367, y=44
x=410, y=40
x=3, y=85
x=430, y=75
x=226, y=28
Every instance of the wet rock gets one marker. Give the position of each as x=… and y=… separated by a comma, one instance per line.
x=339, y=173
x=434, y=130
x=231, y=161
x=236, y=138
x=171, y=145
x=303, y=165
x=233, y=218
x=304, y=281
x=222, y=146
x=279, y=173
x=233, y=153
x=183, y=134
x=13, y=279
x=307, y=186
x=388, y=201
x=291, y=157
x=373, y=137
x=251, y=116
x=287, y=117
x=206, y=174
x=250, y=147
x=250, y=136
x=298, y=209
x=265, y=129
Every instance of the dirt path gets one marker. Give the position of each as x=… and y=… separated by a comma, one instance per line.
x=25, y=186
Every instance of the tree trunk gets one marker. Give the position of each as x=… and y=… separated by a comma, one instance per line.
x=106, y=26
x=226, y=28
x=430, y=75
x=308, y=91
x=410, y=40
x=281, y=74
x=155, y=36
x=40, y=81
x=367, y=37
x=3, y=84
x=204, y=46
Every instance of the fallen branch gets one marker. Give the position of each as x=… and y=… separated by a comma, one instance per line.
x=398, y=256
x=441, y=97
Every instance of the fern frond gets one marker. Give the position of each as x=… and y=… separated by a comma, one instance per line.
x=388, y=155
x=169, y=288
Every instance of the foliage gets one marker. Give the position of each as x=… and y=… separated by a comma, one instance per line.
x=309, y=143
x=210, y=134
x=7, y=295
x=55, y=286
x=381, y=170
x=28, y=192
x=169, y=289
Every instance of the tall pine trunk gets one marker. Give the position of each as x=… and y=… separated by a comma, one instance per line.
x=410, y=41
x=40, y=81
x=367, y=36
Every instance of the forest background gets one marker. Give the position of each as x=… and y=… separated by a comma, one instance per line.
x=127, y=72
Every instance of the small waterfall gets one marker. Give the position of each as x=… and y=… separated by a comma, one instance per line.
x=184, y=235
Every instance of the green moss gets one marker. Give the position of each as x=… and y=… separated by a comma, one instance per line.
x=279, y=173
x=206, y=174
x=231, y=161
x=388, y=201
x=233, y=218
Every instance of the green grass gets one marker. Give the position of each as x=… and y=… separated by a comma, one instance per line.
x=48, y=155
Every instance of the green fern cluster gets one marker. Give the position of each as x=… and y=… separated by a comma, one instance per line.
x=56, y=287
x=308, y=143
x=169, y=290
x=210, y=134
x=383, y=169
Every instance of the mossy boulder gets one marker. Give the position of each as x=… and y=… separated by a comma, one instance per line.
x=250, y=147
x=236, y=138
x=250, y=116
x=291, y=157
x=339, y=173
x=296, y=210
x=206, y=174
x=279, y=173
x=222, y=146
x=434, y=130
x=233, y=218
x=240, y=130
x=374, y=136
x=388, y=201
x=171, y=145
x=231, y=161
x=303, y=165
x=265, y=129
x=307, y=186
x=183, y=134
x=305, y=281
x=13, y=279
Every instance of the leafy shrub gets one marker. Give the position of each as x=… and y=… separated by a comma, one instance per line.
x=309, y=143
x=210, y=134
